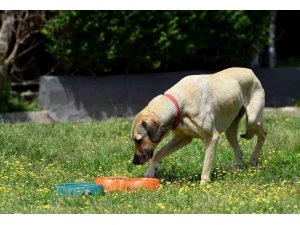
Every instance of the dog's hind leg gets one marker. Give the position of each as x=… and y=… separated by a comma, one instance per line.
x=176, y=143
x=261, y=136
x=254, y=112
x=231, y=135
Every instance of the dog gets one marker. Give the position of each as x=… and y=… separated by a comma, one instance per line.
x=201, y=106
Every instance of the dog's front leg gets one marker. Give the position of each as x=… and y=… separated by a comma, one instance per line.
x=210, y=149
x=176, y=143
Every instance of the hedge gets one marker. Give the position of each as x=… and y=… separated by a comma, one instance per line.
x=106, y=42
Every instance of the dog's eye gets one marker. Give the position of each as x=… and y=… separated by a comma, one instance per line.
x=138, y=141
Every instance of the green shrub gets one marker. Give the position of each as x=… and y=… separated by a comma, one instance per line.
x=101, y=42
x=14, y=102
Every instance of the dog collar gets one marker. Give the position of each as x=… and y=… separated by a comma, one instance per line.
x=173, y=99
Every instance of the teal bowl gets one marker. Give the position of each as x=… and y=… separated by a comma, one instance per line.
x=80, y=188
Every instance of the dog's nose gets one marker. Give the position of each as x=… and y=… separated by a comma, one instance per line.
x=139, y=159
x=135, y=160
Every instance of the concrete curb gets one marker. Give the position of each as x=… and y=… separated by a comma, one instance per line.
x=282, y=109
x=37, y=117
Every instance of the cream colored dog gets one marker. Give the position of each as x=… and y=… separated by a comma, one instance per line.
x=201, y=106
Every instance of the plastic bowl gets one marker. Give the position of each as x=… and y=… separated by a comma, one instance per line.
x=112, y=183
x=148, y=183
x=80, y=188
x=126, y=183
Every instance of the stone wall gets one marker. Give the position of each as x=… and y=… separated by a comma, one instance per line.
x=86, y=98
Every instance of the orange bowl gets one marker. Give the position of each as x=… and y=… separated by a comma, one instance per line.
x=148, y=183
x=112, y=183
x=126, y=183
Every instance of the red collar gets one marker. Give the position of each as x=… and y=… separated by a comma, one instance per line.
x=173, y=99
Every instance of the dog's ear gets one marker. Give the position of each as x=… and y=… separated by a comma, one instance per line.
x=154, y=130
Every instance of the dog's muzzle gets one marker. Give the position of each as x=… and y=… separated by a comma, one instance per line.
x=142, y=159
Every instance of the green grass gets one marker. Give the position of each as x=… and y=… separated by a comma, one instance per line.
x=35, y=157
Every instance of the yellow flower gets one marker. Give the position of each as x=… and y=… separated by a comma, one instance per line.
x=265, y=162
x=283, y=182
x=46, y=206
x=162, y=206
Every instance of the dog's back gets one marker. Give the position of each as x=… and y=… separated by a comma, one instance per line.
x=225, y=92
x=245, y=78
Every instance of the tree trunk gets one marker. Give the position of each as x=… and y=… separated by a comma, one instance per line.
x=271, y=47
x=6, y=30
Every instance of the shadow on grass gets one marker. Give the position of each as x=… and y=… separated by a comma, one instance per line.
x=260, y=173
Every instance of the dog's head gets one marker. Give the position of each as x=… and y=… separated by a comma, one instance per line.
x=147, y=131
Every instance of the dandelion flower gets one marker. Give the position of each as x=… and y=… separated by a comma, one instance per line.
x=162, y=206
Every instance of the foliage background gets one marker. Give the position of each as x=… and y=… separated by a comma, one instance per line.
x=105, y=42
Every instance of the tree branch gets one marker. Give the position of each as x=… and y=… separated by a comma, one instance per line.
x=8, y=61
x=24, y=26
x=27, y=66
x=17, y=78
x=21, y=40
x=29, y=49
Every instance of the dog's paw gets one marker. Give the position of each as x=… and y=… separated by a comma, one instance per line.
x=239, y=166
x=150, y=173
x=254, y=162
x=204, y=181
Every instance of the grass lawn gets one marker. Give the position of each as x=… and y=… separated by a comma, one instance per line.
x=35, y=157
